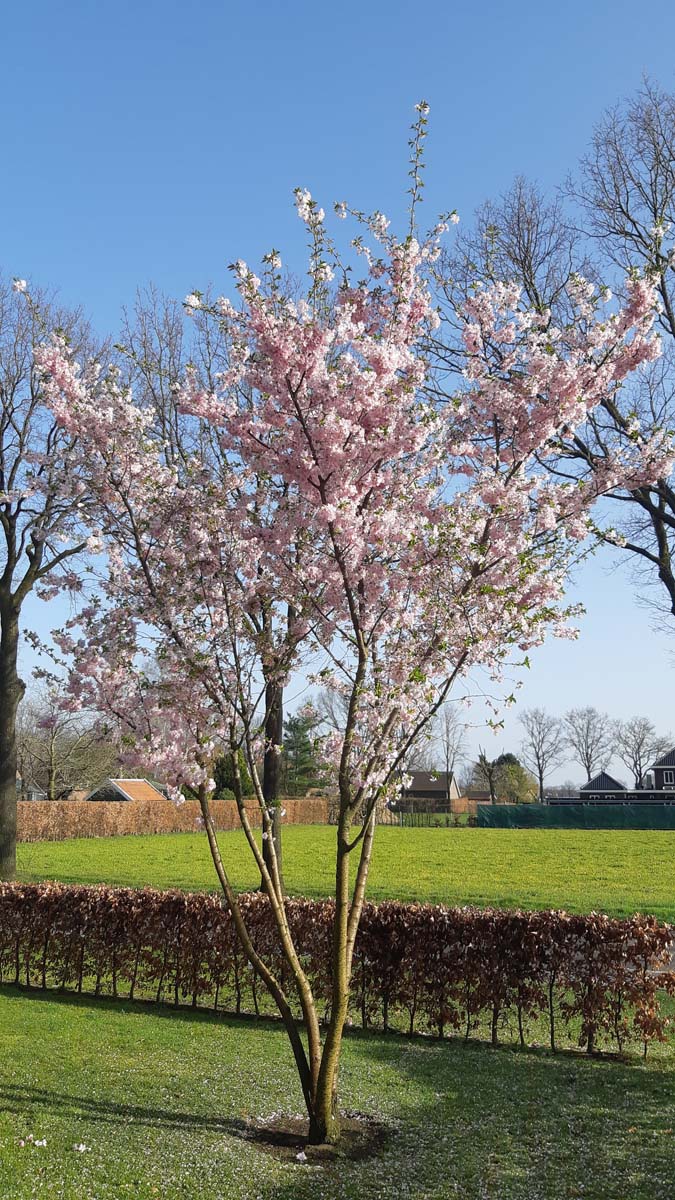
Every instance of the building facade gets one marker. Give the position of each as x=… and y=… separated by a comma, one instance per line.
x=657, y=787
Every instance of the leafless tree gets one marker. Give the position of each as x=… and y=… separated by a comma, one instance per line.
x=521, y=237
x=544, y=746
x=626, y=193
x=619, y=218
x=486, y=773
x=637, y=744
x=422, y=757
x=567, y=788
x=332, y=708
x=591, y=738
x=451, y=737
x=41, y=526
x=60, y=750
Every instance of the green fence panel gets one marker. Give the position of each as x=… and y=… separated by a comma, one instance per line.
x=576, y=816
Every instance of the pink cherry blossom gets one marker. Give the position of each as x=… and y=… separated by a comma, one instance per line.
x=330, y=515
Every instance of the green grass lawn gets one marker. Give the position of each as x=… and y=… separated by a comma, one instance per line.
x=616, y=871
x=159, y=1098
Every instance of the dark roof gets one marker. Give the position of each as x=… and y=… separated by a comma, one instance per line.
x=428, y=781
x=667, y=760
x=603, y=783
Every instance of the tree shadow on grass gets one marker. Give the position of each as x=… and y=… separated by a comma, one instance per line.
x=18, y=1099
x=471, y=1121
x=482, y=1123
x=523, y=1123
x=146, y=1005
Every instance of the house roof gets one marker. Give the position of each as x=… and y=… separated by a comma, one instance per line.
x=129, y=789
x=428, y=781
x=603, y=783
x=666, y=760
x=27, y=785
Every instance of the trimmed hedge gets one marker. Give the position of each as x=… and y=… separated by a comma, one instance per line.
x=417, y=968
x=56, y=820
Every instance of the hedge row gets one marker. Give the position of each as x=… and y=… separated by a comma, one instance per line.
x=417, y=968
x=55, y=820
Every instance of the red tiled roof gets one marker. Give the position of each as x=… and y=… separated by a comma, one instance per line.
x=130, y=789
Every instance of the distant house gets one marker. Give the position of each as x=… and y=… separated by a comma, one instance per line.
x=662, y=773
x=126, y=789
x=26, y=790
x=601, y=783
x=478, y=795
x=428, y=789
x=657, y=787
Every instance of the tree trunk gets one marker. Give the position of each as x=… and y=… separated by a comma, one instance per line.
x=274, y=732
x=324, y=1124
x=541, y=787
x=51, y=784
x=11, y=692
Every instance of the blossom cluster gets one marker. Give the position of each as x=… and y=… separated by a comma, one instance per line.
x=343, y=514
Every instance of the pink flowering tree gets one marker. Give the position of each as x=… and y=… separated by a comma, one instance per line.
x=412, y=541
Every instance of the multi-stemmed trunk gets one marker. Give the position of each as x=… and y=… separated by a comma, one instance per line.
x=11, y=692
x=318, y=1060
x=325, y=1121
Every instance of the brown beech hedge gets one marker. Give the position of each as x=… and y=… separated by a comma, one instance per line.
x=56, y=820
x=417, y=968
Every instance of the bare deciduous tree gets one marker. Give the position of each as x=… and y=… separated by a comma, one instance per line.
x=637, y=744
x=423, y=752
x=521, y=237
x=486, y=772
x=567, y=788
x=332, y=707
x=543, y=747
x=40, y=522
x=452, y=742
x=590, y=736
x=624, y=197
x=626, y=191
x=60, y=750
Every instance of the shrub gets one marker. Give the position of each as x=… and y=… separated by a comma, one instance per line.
x=45, y=820
x=417, y=968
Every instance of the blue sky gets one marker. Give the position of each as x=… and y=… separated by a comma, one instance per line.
x=159, y=141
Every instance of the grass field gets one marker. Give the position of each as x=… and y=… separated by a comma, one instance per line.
x=618, y=872
x=159, y=1100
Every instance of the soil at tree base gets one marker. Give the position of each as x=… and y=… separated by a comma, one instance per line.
x=285, y=1137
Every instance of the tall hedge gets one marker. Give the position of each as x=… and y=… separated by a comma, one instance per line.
x=56, y=820
x=417, y=968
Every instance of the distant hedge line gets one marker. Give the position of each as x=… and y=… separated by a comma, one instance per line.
x=417, y=968
x=56, y=820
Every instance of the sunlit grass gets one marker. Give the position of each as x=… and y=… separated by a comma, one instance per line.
x=159, y=1097
x=615, y=871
